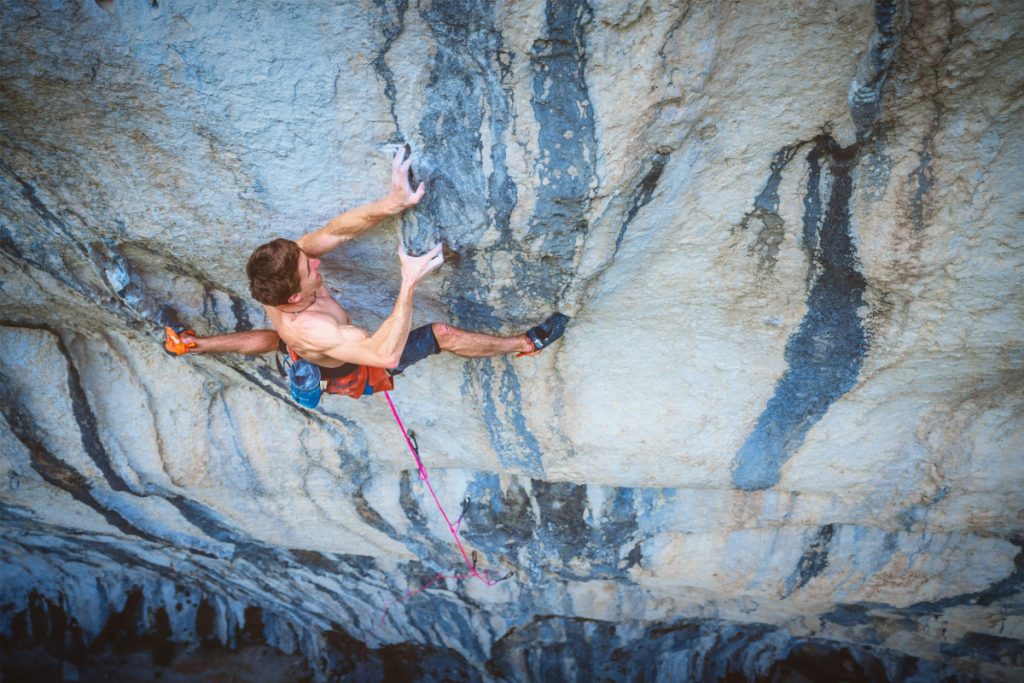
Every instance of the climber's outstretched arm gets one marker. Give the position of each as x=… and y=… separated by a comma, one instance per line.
x=382, y=349
x=250, y=342
x=355, y=222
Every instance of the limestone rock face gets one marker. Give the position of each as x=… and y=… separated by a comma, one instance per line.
x=786, y=417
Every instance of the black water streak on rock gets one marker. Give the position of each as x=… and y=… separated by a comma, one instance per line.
x=354, y=462
x=768, y=199
x=766, y=213
x=61, y=475
x=356, y=466
x=490, y=409
x=276, y=564
x=855, y=614
x=267, y=375
x=107, y=546
x=825, y=354
x=1004, y=588
x=505, y=524
x=353, y=572
x=28, y=192
x=498, y=520
x=599, y=542
x=371, y=516
x=408, y=501
x=562, y=105
x=238, y=308
x=923, y=178
x=642, y=195
x=391, y=24
x=616, y=527
x=813, y=561
x=563, y=528
x=85, y=419
x=635, y=557
x=501, y=524
x=813, y=215
x=53, y=261
x=865, y=99
x=567, y=143
x=516, y=447
x=252, y=379
x=208, y=521
x=469, y=90
x=909, y=618
x=439, y=552
x=315, y=560
x=10, y=247
x=527, y=446
x=197, y=514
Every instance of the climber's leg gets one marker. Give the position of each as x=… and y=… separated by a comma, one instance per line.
x=436, y=337
x=476, y=344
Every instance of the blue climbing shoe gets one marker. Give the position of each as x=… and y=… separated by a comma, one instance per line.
x=545, y=334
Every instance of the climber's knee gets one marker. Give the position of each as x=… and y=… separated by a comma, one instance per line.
x=444, y=334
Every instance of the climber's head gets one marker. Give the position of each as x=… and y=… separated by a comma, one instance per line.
x=273, y=271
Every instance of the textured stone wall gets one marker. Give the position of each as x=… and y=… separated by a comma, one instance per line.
x=786, y=418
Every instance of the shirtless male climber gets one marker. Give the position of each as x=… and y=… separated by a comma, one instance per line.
x=285, y=277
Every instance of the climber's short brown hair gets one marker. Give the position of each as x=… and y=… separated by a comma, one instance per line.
x=273, y=271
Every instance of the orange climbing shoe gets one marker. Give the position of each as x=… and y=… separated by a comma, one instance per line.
x=545, y=334
x=173, y=345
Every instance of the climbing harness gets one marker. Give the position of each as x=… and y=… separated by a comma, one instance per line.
x=482, y=575
x=349, y=379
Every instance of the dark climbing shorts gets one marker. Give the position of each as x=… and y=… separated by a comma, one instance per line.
x=421, y=343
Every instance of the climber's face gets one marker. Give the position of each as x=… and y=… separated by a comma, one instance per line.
x=309, y=277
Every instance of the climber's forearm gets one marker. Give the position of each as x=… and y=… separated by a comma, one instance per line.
x=250, y=342
x=347, y=225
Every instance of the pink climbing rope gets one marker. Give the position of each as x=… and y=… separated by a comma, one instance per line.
x=454, y=529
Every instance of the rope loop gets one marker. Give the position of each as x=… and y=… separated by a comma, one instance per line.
x=410, y=440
